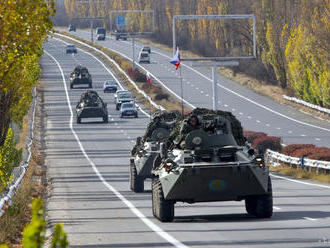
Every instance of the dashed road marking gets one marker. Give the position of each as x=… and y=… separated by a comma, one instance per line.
x=308, y=218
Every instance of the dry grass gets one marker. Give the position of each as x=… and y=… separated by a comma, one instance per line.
x=32, y=186
x=301, y=173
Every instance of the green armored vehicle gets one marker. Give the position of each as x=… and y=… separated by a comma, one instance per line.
x=91, y=106
x=206, y=159
x=80, y=75
x=146, y=148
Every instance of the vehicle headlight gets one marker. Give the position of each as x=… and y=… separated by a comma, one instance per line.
x=259, y=160
x=197, y=140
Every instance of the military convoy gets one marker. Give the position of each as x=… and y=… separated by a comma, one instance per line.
x=80, y=75
x=91, y=106
x=147, y=148
x=206, y=158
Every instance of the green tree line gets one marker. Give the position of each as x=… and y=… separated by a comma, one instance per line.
x=292, y=36
x=24, y=25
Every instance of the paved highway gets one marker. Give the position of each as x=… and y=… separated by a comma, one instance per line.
x=88, y=167
x=256, y=112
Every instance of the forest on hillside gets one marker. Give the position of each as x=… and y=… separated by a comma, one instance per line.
x=292, y=36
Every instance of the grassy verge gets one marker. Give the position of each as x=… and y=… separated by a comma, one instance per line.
x=171, y=103
x=301, y=173
x=18, y=214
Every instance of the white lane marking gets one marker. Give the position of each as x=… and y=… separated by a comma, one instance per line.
x=233, y=109
x=301, y=182
x=107, y=69
x=268, y=125
x=289, y=131
x=276, y=208
x=207, y=95
x=240, y=113
x=278, y=128
x=129, y=204
x=303, y=135
x=318, y=139
x=258, y=121
x=196, y=88
x=284, y=178
x=202, y=92
x=249, y=117
x=308, y=218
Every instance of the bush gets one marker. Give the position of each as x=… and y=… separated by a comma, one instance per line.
x=59, y=237
x=251, y=136
x=290, y=149
x=136, y=75
x=312, y=152
x=263, y=143
x=161, y=96
x=34, y=233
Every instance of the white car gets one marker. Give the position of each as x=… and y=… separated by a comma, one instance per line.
x=144, y=57
x=128, y=109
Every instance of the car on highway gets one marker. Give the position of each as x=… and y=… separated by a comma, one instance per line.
x=110, y=86
x=124, y=97
x=72, y=27
x=144, y=57
x=100, y=33
x=146, y=49
x=71, y=49
x=121, y=34
x=128, y=109
x=119, y=92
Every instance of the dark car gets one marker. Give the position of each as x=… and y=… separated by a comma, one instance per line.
x=71, y=49
x=128, y=109
x=100, y=33
x=110, y=86
x=72, y=27
x=121, y=34
x=80, y=75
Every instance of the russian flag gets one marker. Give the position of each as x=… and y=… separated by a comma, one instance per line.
x=176, y=59
x=148, y=77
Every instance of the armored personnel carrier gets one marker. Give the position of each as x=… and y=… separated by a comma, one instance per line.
x=207, y=159
x=147, y=147
x=91, y=106
x=80, y=75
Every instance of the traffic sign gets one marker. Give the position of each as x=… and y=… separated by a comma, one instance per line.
x=120, y=21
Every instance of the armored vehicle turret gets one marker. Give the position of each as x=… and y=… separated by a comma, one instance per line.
x=146, y=148
x=206, y=159
x=80, y=75
x=91, y=106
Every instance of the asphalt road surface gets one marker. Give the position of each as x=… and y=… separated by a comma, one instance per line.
x=256, y=112
x=88, y=165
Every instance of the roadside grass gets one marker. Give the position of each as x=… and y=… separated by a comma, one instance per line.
x=301, y=173
x=18, y=214
x=173, y=104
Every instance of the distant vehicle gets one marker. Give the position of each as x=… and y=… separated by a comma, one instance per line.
x=121, y=34
x=72, y=27
x=146, y=49
x=118, y=92
x=91, y=106
x=124, y=97
x=71, y=49
x=109, y=86
x=80, y=75
x=100, y=33
x=128, y=109
x=144, y=57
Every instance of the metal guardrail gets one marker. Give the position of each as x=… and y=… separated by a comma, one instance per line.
x=275, y=157
x=6, y=198
x=307, y=104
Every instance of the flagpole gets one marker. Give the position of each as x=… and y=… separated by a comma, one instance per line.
x=182, y=109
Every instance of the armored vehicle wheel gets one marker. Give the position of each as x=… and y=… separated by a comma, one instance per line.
x=162, y=209
x=71, y=86
x=90, y=86
x=78, y=120
x=105, y=119
x=117, y=107
x=136, y=182
x=261, y=206
x=136, y=116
